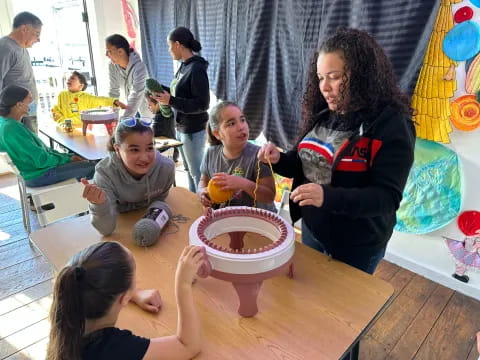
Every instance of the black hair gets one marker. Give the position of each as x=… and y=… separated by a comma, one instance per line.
x=86, y=288
x=185, y=37
x=215, y=120
x=10, y=96
x=371, y=81
x=122, y=131
x=26, y=18
x=119, y=42
x=81, y=78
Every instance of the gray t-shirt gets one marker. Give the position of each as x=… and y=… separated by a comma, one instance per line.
x=317, y=149
x=245, y=166
x=15, y=66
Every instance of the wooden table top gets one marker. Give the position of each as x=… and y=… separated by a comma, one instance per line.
x=92, y=146
x=318, y=314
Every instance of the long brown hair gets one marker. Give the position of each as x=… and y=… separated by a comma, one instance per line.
x=371, y=81
x=86, y=288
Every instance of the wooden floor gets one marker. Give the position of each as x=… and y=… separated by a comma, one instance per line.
x=424, y=321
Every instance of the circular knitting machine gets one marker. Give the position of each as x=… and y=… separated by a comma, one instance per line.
x=245, y=268
x=106, y=116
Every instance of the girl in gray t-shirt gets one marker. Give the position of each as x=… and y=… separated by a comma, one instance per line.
x=231, y=161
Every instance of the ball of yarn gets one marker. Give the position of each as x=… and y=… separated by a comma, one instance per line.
x=216, y=194
x=146, y=232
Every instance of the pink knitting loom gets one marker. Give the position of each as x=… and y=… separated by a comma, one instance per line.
x=244, y=268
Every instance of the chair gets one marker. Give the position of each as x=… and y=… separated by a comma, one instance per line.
x=59, y=202
x=26, y=192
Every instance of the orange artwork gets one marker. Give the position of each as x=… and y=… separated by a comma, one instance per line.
x=465, y=113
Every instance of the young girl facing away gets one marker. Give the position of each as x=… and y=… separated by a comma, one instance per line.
x=91, y=290
x=132, y=176
x=231, y=161
x=74, y=100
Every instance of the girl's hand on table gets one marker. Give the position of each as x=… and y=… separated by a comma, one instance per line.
x=148, y=300
x=93, y=193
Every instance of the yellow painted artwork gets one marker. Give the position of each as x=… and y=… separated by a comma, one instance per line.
x=436, y=82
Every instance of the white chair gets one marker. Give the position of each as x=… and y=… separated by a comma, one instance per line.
x=59, y=202
x=26, y=192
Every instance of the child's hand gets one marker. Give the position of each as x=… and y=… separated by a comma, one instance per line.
x=163, y=98
x=121, y=105
x=269, y=152
x=188, y=264
x=93, y=193
x=204, y=199
x=478, y=342
x=148, y=300
x=228, y=182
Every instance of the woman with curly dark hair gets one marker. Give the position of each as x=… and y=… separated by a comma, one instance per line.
x=354, y=154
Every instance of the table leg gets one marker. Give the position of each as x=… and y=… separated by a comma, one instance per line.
x=247, y=294
x=84, y=128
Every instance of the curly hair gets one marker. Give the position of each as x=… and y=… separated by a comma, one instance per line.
x=368, y=75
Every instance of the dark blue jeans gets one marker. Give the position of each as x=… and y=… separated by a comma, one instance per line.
x=364, y=259
x=74, y=169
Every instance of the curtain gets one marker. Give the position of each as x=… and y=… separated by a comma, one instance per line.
x=259, y=50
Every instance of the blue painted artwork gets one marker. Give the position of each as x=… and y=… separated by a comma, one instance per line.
x=463, y=41
x=475, y=3
x=433, y=195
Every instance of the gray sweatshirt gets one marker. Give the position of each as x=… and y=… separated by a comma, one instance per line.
x=132, y=81
x=15, y=66
x=124, y=192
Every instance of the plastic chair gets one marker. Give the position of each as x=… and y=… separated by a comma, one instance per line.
x=59, y=203
x=26, y=192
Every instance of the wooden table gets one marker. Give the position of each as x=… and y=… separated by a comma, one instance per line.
x=92, y=146
x=319, y=314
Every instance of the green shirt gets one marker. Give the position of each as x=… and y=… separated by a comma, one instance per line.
x=29, y=154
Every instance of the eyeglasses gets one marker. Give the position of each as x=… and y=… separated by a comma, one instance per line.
x=131, y=121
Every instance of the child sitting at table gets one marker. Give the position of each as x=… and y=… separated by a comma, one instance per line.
x=38, y=164
x=74, y=100
x=161, y=124
x=231, y=161
x=91, y=290
x=132, y=176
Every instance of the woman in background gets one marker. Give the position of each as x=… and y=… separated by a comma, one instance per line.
x=189, y=97
x=127, y=72
x=38, y=164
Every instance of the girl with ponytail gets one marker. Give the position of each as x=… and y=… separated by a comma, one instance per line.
x=91, y=290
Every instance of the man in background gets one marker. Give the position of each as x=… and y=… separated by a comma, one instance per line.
x=15, y=65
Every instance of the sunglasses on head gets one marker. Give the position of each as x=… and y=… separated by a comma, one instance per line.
x=131, y=121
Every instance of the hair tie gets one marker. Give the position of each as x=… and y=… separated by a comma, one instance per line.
x=79, y=273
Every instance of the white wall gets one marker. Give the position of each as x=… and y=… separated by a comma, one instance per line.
x=428, y=255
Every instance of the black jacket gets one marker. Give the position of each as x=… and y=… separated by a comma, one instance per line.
x=360, y=203
x=192, y=95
